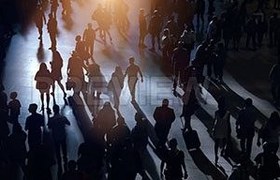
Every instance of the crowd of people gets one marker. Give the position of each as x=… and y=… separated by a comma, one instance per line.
x=113, y=151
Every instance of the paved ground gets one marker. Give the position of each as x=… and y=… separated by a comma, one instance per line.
x=26, y=53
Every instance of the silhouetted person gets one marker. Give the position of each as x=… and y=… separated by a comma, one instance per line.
x=34, y=126
x=200, y=58
x=56, y=66
x=200, y=9
x=4, y=129
x=75, y=71
x=180, y=60
x=164, y=117
x=173, y=27
x=43, y=82
x=269, y=133
x=213, y=29
x=132, y=72
x=219, y=62
x=154, y=29
x=54, y=7
x=274, y=77
x=171, y=167
x=40, y=20
x=142, y=28
x=273, y=23
x=250, y=29
x=245, y=127
x=52, y=30
x=39, y=162
x=89, y=37
x=17, y=150
x=80, y=48
x=72, y=173
x=188, y=38
x=105, y=118
x=14, y=108
x=97, y=81
x=267, y=164
x=58, y=124
x=221, y=128
x=167, y=47
x=116, y=84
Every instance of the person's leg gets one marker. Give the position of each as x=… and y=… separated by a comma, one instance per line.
x=216, y=147
x=249, y=146
x=42, y=100
x=273, y=89
x=64, y=153
x=48, y=100
x=242, y=144
x=62, y=88
x=58, y=158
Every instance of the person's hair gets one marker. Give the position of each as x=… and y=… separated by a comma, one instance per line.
x=274, y=119
x=120, y=120
x=13, y=95
x=248, y=102
x=131, y=59
x=33, y=107
x=173, y=143
x=56, y=108
x=165, y=102
x=78, y=37
x=43, y=67
x=221, y=102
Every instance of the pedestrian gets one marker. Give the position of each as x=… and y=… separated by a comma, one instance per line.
x=213, y=29
x=34, y=126
x=132, y=72
x=89, y=37
x=17, y=150
x=219, y=63
x=188, y=38
x=221, y=128
x=274, y=77
x=245, y=127
x=116, y=84
x=166, y=44
x=40, y=20
x=155, y=29
x=4, y=128
x=251, y=30
x=273, y=23
x=200, y=58
x=76, y=73
x=142, y=28
x=267, y=164
x=180, y=61
x=171, y=167
x=56, y=66
x=72, y=173
x=52, y=30
x=269, y=133
x=80, y=48
x=164, y=117
x=14, y=108
x=57, y=124
x=43, y=83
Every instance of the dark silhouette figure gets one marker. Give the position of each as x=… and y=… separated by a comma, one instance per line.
x=97, y=81
x=89, y=37
x=269, y=133
x=72, y=173
x=221, y=128
x=43, y=82
x=14, y=108
x=167, y=46
x=39, y=162
x=142, y=28
x=219, y=62
x=52, y=30
x=34, y=126
x=116, y=84
x=17, y=150
x=245, y=127
x=75, y=72
x=132, y=72
x=250, y=29
x=54, y=7
x=200, y=58
x=180, y=61
x=164, y=117
x=58, y=124
x=267, y=164
x=154, y=29
x=273, y=23
x=274, y=77
x=200, y=10
x=174, y=161
x=80, y=48
x=40, y=20
x=56, y=66
x=105, y=119
x=4, y=129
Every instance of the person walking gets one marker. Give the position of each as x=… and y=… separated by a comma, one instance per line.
x=116, y=85
x=245, y=127
x=221, y=128
x=274, y=77
x=14, y=108
x=89, y=37
x=58, y=124
x=164, y=117
x=154, y=28
x=132, y=72
x=142, y=28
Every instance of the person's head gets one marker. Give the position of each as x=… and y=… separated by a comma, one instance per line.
x=155, y=12
x=32, y=108
x=13, y=95
x=131, y=60
x=221, y=102
x=89, y=25
x=72, y=165
x=138, y=117
x=248, y=102
x=118, y=69
x=120, y=120
x=180, y=44
x=107, y=105
x=173, y=144
x=274, y=119
x=166, y=32
x=267, y=147
x=43, y=67
x=142, y=11
x=78, y=38
x=165, y=102
x=56, y=109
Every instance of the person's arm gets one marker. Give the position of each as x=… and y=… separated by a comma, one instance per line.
x=173, y=117
x=141, y=75
x=84, y=34
x=67, y=122
x=161, y=169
